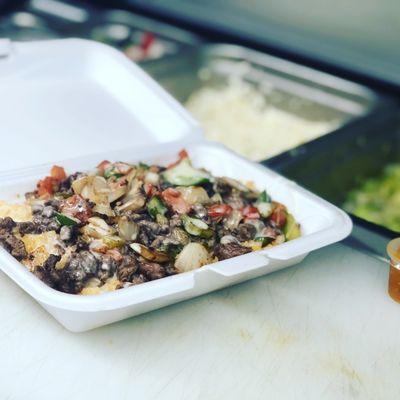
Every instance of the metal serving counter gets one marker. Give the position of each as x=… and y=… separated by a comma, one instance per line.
x=140, y=38
x=361, y=37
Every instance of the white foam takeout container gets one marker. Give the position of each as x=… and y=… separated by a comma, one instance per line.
x=78, y=98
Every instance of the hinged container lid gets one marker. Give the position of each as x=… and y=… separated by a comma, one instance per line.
x=72, y=97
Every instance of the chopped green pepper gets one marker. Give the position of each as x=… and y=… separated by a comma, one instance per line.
x=171, y=249
x=196, y=227
x=66, y=220
x=183, y=174
x=264, y=197
x=156, y=207
x=143, y=165
x=264, y=240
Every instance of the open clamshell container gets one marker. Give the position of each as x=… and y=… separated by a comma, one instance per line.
x=75, y=97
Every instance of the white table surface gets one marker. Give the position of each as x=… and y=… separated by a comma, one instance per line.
x=324, y=329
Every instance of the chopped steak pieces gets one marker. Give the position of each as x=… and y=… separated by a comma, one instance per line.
x=13, y=245
x=229, y=250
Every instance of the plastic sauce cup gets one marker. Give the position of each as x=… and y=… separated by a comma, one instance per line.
x=393, y=249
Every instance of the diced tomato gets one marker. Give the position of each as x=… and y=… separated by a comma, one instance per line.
x=103, y=166
x=77, y=207
x=182, y=155
x=171, y=192
x=114, y=254
x=58, y=173
x=278, y=216
x=46, y=187
x=250, y=212
x=149, y=189
x=148, y=39
x=218, y=211
x=175, y=200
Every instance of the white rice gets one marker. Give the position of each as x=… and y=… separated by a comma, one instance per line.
x=238, y=116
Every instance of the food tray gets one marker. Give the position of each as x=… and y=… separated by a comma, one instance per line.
x=136, y=22
x=332, y=166
x=301, y=91
x=42, y=19
x=23, y=25
x=83, y=79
